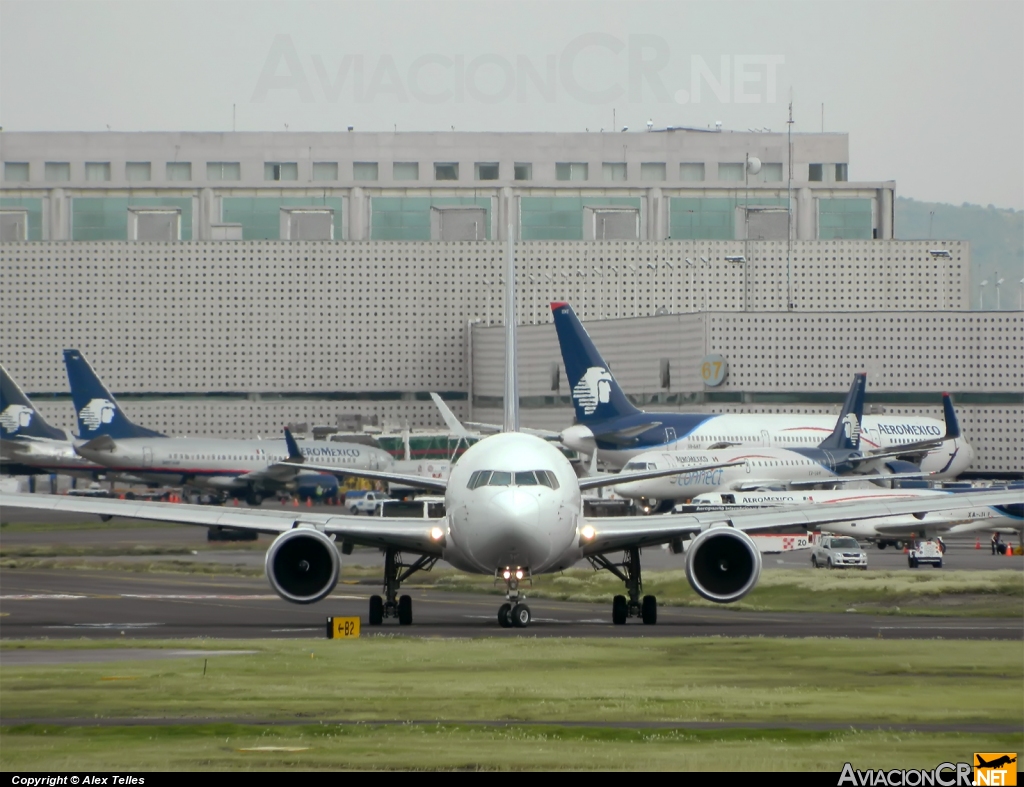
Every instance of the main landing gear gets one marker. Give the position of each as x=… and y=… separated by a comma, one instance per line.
x=395, y=573
x=514, y=613
x=629, y=572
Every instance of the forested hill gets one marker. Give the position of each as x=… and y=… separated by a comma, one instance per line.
x=996, y=236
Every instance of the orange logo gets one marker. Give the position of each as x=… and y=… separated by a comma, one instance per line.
x=998, y=769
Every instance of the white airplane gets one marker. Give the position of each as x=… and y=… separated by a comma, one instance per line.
x=882, y=531
x=513, y=509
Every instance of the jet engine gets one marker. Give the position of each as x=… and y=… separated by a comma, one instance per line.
x=723, y=564
x=303, y=565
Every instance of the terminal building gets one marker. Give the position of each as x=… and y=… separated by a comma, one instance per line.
x=229, y=284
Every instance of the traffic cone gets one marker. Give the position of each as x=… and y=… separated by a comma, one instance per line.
x=309, y=502
x=977, y=543
x=295, y=502
x=234, y=500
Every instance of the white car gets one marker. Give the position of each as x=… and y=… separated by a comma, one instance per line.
x=362, y=502
x=925, y=552
x=838, y=552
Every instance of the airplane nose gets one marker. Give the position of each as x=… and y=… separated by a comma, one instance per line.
x=508, y=534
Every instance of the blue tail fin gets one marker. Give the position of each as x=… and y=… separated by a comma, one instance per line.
x=595, y=394
x=949, y=416
x=846, y=435
x=98, y=412
x=18, y=418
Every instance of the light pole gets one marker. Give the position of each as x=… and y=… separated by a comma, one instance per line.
x=981, y=295
x=1022, y=295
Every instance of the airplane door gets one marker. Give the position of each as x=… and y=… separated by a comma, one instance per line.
x=670, y=434
x=766, y=439
x=147, y=457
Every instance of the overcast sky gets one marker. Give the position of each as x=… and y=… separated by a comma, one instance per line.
x=931, y=93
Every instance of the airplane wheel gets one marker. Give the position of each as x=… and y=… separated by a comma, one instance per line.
x=619, y=610
x=505, y=616
x=254, y=498
x=520, y=616
x=649, y=610
x=376, y=610
x=404, y=610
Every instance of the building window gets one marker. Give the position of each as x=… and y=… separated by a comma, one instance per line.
x=325, y=170
x=523, y=171
x=57, y=171
x=278, y=170
x=652, y=171
x=179, y=170
x=611, y=223
x=97, y=171
x=223, y=170
x=446, y=170
x=691, y=171
x=13, y=225
x=307, y=224
x=613, y=171
x=16, y=171
x=458, y=223
x=162, y=224
x=572, y=170
x=771, y=172
x=405, y=170
x=814, y=172
x=367, y=170
x=841, y=173
x=137, y=171
x=730, y=172
x=487, y=170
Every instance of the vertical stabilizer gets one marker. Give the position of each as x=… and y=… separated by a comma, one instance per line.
x=18, y=418
x=510, y=422
x=98, y=412
x=596, y=395
x=846, y=434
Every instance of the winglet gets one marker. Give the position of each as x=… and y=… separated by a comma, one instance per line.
x=558, y=304
x=450, y=420
x=294, y=454
x=949, y=416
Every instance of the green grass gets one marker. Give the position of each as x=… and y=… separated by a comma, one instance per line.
x=461, y=747
x=451, y=683
x=93, y=523
x=552, y=680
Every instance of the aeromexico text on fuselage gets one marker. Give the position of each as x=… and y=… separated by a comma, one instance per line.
x=693, y=431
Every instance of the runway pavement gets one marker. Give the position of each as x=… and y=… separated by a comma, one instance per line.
x=71, y=604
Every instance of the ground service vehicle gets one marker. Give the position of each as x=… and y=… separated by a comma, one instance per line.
x=363, y=502
x=925, y=552
x=838, y=552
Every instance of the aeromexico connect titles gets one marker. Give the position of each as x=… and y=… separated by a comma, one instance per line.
x=251, y=469
x=608, y=422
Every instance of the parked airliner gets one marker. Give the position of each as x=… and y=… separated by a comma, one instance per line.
x=513, y=510
x=251, y=469
x=607, y=421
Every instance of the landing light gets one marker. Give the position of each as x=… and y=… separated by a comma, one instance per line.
x=587, y=532
x=436, y=533
x=506, y=574
x=519, y=573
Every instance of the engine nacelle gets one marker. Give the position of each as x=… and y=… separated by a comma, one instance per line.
x=303, y=565
x=723, y=564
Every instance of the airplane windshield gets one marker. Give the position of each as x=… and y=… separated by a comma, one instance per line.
x=637, y=466
x=522, y=478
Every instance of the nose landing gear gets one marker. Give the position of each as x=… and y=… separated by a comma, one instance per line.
x=628, y=571
x=514, y=613
x=393, y=606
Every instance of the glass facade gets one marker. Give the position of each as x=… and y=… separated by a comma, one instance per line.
x=408, y=218
x=561, y=218
x=260, y=217
x=34, y=208
x=106, y=218
x=710, y=218
x=847, y=219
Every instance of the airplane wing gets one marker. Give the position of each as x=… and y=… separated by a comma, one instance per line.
x=420, y=535
x=450, y=420
x=416, y=481
x=625, y=435
x=642, y=475
x=849, y=479
x=609, y=534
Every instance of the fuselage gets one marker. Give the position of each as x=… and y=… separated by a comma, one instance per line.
x=768, y=466
x=697, y=432
x=222, y=464
x=50, y=456
x=521, y=510
x=958, y=520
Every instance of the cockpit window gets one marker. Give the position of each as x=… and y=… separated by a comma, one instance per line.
x=637, y=466
x=522, y=478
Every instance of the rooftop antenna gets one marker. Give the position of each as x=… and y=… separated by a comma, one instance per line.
x=511, y=420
